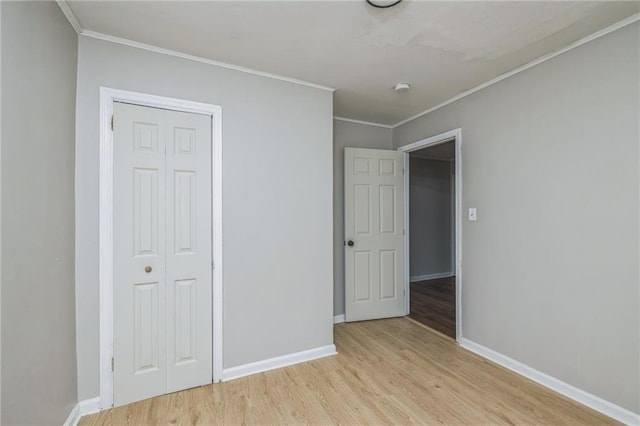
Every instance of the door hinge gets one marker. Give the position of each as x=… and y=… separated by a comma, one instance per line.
x=112, y=369
x=112, y=123
x=213, y=265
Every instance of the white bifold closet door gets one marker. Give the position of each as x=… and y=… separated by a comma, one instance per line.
x=162, y=330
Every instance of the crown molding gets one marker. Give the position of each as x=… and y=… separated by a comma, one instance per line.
x=368, y=123
x=66, y=9
x=78, y=28
x=611, y=28
x=64, y=6
x=163, y=51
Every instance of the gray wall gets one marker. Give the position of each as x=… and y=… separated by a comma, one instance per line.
x=39, y=50
x=430, y=216
x=352, y=135
x=277, y=227
x=550, y=269
x=0, y=212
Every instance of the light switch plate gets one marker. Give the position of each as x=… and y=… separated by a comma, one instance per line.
x=473, y=214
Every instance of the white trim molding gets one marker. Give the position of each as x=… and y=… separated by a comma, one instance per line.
x=605, y=407
x=428, y=277
x=456, y=136
x=163, y=51
x=107, y=98
x=66, y=9
x=366, y=123
x=337, y=319
x=82, y=408
x=71, y=17
x=278, y=362
x=611, y=28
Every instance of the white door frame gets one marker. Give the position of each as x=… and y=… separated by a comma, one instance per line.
x=456, y=135
x=107, y=98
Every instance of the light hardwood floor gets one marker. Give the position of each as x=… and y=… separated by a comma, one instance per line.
x=387, y=372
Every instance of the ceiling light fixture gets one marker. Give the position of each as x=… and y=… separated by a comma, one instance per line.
x=382, y=5
x=402, y=87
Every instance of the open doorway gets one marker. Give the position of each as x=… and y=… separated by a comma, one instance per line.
x=432, y=238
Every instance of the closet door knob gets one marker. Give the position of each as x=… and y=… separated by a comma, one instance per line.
x=350, y=243
x=147, y=269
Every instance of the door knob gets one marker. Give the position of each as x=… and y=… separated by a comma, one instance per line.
x=350, y=243
x=147, y=269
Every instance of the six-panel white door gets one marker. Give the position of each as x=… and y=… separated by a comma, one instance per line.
x=162, y=332
x=374, y=222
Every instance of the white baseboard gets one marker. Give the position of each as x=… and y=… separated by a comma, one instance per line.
x=605, y=407
x=82, y=408
x=91, y=406
x=277, y=362
x=431, y=276
x=337, y=319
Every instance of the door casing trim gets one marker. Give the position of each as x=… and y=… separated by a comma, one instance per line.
x=107, y=98
x=455, y=135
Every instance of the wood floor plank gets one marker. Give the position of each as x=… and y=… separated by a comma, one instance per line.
x=390, y=371
x=433, y=303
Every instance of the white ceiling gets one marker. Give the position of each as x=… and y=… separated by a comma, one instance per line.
x=440, y=48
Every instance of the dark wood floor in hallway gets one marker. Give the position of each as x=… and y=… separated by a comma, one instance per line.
x=433, y=303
